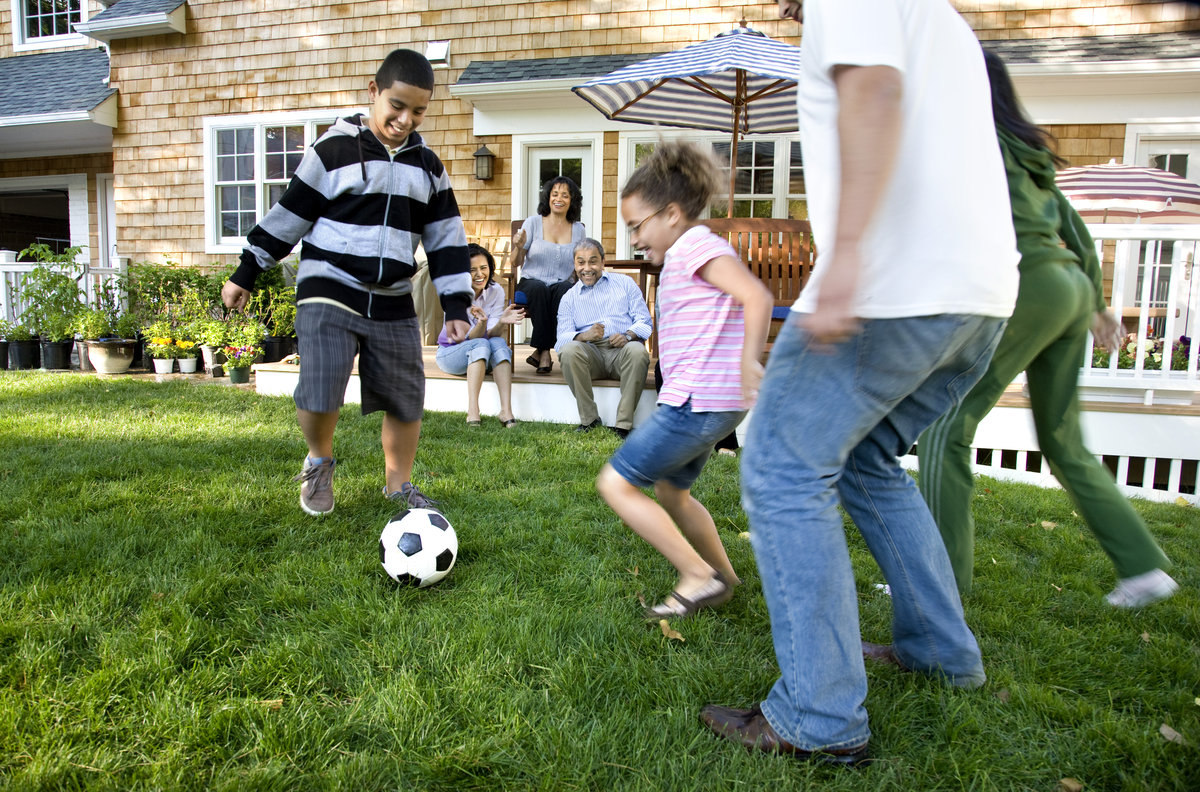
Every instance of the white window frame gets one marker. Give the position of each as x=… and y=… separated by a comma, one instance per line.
x=781, y=196
x=214, y=243
x=21, y=44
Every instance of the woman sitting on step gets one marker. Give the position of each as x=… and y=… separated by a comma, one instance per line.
x=484, y=348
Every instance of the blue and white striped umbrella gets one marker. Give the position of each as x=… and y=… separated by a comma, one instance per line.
x=741, y=82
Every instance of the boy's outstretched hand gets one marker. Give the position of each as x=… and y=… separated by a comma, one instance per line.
x=234, y=296
x=456, y=330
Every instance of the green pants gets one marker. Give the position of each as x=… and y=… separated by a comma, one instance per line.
x=1045, y=338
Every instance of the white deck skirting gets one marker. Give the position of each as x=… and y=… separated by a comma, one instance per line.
x=1154, y=448
x=547, y=399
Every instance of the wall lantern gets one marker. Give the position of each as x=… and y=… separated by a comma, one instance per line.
x=483, y=164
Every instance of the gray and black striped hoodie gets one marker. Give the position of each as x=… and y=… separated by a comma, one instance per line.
x=361, y=214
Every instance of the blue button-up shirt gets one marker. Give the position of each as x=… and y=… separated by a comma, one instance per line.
x=615, y=300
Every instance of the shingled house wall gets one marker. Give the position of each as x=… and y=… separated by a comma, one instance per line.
x=238, y=58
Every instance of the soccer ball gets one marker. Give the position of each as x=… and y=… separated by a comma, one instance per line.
x=418, y=547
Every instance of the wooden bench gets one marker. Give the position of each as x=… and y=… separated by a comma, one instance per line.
x=779, y=251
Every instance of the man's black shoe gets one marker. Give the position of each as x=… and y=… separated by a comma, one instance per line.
x=588, y=427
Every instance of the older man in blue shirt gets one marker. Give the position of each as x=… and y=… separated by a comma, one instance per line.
x=603, y=322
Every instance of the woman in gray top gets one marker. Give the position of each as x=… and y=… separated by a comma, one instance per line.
x=544, y=248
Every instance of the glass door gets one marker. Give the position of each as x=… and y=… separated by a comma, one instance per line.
x=574, y=162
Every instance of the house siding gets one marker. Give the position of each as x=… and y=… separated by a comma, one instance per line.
x=248, y=58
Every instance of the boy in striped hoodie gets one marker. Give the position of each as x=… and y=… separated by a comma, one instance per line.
x=364, y=196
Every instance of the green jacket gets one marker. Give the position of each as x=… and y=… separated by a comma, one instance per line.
x=1042, y=217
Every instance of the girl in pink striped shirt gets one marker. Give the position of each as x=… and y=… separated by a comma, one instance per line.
x=712, y=328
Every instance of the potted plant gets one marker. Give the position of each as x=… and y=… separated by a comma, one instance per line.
x=23, y=348
x=275, y=306
x=243, y=346
x=5, y=329
x=211, y=335
x=109, y=336
x=160, y=346
x=186, y=355
x=52, y=302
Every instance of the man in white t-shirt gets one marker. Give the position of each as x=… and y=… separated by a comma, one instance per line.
x=916, y=274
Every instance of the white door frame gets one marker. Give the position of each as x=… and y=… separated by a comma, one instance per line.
x=592, y=213
x=106, y=220
x=77, y=204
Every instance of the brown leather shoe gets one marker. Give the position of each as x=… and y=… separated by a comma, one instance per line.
x=882, y=653
x=750, y=729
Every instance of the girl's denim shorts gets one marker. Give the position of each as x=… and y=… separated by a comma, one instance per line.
x=672, y=446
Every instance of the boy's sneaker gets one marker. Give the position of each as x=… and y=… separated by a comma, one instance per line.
x=316, y=489
x=1141, y=590
x=410, y=497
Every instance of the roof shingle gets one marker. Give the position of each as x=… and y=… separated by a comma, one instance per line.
x=53, y=82
x=130, y=8
x=1072, y=49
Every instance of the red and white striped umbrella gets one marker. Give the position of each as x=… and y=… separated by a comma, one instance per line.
x=1116, y=193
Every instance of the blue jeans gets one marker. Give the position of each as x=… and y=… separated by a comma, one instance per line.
x=672, y=446
x=830, y=425
x=456, y=359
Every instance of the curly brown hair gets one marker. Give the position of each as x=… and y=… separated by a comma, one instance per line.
x=685, y=174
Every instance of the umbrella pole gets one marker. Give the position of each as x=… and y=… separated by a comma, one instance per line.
x=739, y=93
x=732, y=165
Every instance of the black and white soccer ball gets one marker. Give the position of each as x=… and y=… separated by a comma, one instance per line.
x=418, y=547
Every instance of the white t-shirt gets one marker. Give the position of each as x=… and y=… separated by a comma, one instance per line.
x=942, y=239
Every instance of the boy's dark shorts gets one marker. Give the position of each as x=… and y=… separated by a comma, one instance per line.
x=390, y=367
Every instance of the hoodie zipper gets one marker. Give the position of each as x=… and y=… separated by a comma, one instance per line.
x=383, y=228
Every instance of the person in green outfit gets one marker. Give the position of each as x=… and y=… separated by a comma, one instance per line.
x=1061, y=295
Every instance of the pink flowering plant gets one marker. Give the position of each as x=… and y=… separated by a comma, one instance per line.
x=243, y=341
x=240, y=356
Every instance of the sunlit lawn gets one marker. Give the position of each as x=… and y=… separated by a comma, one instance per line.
x=170, y=619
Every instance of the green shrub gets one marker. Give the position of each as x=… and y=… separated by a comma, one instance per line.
x=52, y=297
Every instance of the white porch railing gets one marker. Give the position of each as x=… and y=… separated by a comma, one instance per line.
x=92, y=281
x=1155, y=291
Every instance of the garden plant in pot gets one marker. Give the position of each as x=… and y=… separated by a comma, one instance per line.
x=160, y=346
x=52, y=299
x=186, y=349
x=211, y=335
x=5, y=329
x=275, y=305
x=197, y=331
x=109, y=335
x=243, y=346
x=24, y=350
x=108, y=341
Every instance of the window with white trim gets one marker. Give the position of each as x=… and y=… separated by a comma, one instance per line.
x=46, y=23
x=248, y=164
x=770, y=173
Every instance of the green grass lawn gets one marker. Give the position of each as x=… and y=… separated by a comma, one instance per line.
x=170, y=619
